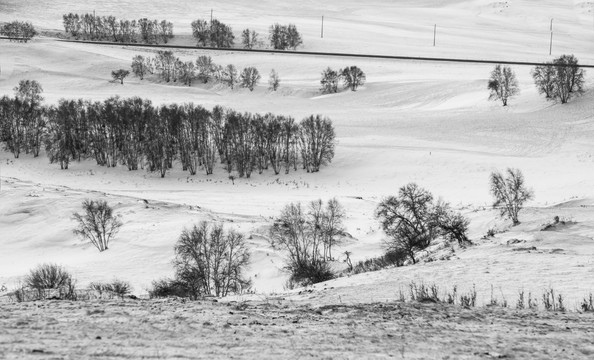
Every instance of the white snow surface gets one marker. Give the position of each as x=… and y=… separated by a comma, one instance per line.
x=424, y=122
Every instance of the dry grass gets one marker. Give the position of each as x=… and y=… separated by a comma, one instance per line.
x=176, y=329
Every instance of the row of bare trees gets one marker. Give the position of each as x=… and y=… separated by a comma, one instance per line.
x=170, y=68
x=137, y=134
x=109, y=28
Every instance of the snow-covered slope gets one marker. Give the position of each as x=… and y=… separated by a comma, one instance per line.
x=429, y=123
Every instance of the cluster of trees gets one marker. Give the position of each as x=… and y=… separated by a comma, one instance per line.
x=212, y=33
x=18, y=31
x=560, y=79
x=351, y=76
x=413, y=220
x=170, y=68
x=109, y=28
x=557, y=80
x=217, y=34
x=283, y=37
x=307, y=236
x=23, y=119
x=136, y=134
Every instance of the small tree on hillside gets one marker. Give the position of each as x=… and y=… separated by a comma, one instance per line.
x=409, y=220
x=503, y=84
x=510, y=193
x=249, y=77
x=230, y=76
x=204, y=68
x=273, y=81
x=120, y=75
x=201, y=32
x=140, y=66
x=300, y=235
x=353, y=77
x=543, y=79
x=97, y=224
x=329, y=81
x=210, y=261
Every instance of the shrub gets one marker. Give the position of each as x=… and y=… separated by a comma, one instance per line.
x=393, y=257
x=120, y=288
x=98, y=223
x=48, y=276
x=168, y=288
x=510, y=193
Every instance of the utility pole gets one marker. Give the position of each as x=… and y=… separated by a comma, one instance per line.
x=322, y=34
x=551, y=42
x=434, y=33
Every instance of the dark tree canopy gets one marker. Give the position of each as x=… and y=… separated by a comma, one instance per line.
x=503, y=84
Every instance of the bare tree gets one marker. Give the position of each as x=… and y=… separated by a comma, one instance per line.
x=273, y=81
x=408, y=219
x=230, y=76
x=503, y=84
x=204, y=68
x=333, y=226
x=317, y=142
x=353, y=77
x=210, y=261
x=329, y=81
x=140, y=67
x=510, y=193
x=249, y=77
x=561, y=79
x=543, y=79
x=299, y=235
x=250, y=39
x=120, y=75
x=97, y=224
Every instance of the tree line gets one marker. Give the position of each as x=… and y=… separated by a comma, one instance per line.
x=20, y=31
x=170, y=68
x=217, y=34
x=109, y=28
x=136, y=134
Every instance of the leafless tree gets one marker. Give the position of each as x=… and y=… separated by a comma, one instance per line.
x=510, y=193
x=503, y=84
x=97, y=224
